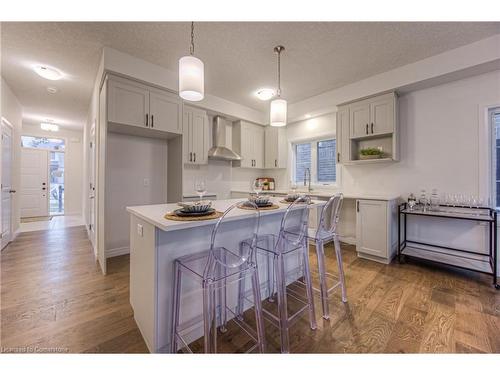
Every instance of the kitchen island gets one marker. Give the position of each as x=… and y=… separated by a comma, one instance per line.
x=156, y=242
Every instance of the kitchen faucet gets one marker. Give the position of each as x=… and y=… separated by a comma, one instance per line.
x=307, y=172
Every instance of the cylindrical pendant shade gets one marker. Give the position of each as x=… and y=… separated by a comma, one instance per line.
x=191, y=78
x=278, y=112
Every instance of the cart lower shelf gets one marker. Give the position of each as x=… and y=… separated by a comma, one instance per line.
x=475, y=262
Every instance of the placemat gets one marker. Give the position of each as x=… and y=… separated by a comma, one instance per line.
x=286, y=202
x=273, y=207
x=174, y=217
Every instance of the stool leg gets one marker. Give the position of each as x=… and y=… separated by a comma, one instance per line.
x=270, y=271
x=259, y=321
x=222, y=299
x=208, y=316
x=241, y=291
x=340, y=265
x=282, y=303
x=309, y=289
x=175, y=307
x=213, y=330
x=320, y=254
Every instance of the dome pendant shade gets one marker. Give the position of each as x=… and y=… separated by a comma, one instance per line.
x=278, y=112
x=191, y=78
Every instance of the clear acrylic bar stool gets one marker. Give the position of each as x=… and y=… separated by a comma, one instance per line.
x=291, y=239
x=214, y=269
x=325, y=233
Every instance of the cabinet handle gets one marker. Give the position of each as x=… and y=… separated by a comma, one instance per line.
x=194, y=159
x=153, y=121
x=372, y=127
x=357, y=206
x=275, y=162
x=366, y=128
x=190, y=156
x=147, y=120
x=338, y=157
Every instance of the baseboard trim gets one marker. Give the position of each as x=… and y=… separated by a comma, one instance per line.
x=349, y=240
x=110, y=253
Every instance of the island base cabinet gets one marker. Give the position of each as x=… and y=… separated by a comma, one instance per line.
x=375, y=230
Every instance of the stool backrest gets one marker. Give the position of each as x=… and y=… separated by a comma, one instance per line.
x=228, y=234
x=295, y=221
x=330, y=215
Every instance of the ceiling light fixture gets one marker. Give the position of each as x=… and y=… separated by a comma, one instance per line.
x=48, y=72
x=51, y=90
x=278, y=105
x=265, y=94
x=191, y=75
x=49, y=127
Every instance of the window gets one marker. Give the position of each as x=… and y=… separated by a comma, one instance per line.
x=55, y=144
x=319, y=156
x=495, y=119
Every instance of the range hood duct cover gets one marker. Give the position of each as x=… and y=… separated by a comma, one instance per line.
x=220, y=151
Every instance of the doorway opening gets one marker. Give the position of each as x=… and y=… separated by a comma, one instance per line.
x=42, y=177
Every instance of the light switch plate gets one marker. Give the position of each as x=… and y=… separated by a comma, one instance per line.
x=146, y=182
x=140, y=230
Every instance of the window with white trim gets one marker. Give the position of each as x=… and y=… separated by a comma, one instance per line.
x=320, y=157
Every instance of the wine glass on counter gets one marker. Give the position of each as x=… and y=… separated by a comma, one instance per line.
x=257, y=186
x=200, y=186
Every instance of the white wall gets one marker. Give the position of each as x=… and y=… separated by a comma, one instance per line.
x=131, y=160
x=12, y=111
x=73, y=164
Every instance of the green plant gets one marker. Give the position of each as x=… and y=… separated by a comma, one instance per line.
x=371, y=151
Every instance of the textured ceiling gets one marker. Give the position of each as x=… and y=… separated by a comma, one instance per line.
x=238, y=56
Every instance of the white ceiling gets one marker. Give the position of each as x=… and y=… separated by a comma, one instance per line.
x=238, y=56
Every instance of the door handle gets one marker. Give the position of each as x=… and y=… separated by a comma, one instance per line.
x=147, y=120
x=152, y=121
x=366, y=128
x=372, y=127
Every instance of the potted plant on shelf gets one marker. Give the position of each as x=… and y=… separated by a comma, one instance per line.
x=370, y=153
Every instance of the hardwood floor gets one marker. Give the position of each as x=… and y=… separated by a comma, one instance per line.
x=54, y=298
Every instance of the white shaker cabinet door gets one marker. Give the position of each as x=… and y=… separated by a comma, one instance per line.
x=166, y=112
x=382, y=115
x=128, y=103
x=371, y=228
x=359, y=117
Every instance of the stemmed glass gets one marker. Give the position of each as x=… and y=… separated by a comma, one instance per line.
x=257, y=186
x=201, y=188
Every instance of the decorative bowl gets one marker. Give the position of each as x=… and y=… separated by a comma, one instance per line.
x=200, y=206
x=259, y=200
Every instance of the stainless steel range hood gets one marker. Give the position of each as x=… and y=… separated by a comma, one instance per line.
x=220, y=151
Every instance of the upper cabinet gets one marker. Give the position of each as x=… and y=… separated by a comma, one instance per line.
x=368, y=124
x=195, y=136
x=132, y=103
x=275, y=150
x=248, y=141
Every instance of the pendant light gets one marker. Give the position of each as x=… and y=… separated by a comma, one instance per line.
x=191, y=75
x=278, y=105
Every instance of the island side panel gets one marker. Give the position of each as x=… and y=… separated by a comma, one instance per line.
x=143, y=291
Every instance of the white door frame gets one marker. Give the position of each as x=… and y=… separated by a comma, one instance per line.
x=92, y=186
x=6, y=241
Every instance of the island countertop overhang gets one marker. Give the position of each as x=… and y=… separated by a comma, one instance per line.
x=154, y=214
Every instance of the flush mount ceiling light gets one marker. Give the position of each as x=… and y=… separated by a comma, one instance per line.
x=49, y=127
x=48, y=72
x=264, y=94
x=191, y=75
x=278, y=105
x=51, y=90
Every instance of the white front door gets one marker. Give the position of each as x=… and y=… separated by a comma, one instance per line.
x=6, y=184
x=34, y=183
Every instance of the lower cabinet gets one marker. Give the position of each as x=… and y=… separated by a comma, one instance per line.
x=376, y=229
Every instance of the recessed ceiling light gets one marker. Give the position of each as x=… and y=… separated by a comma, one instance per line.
x=49, y=127
x=48, y=72
x=265, y=94
x=52, y=90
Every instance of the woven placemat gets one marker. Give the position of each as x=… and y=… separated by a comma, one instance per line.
x=173, y=216
x=273, y=207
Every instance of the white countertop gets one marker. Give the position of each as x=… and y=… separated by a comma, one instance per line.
x=327, y=194
x=154, y=214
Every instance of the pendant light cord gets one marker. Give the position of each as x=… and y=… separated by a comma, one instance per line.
x=191, y=48
x=279, y=73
